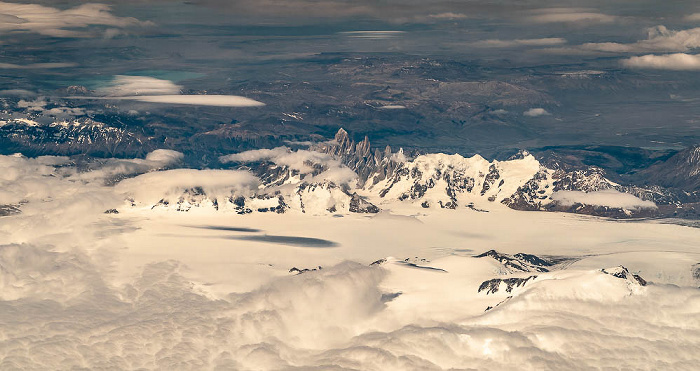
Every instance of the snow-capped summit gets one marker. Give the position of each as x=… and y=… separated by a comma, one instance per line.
x=341, y=175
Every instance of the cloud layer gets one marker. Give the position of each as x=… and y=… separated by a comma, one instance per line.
x=536, y=112
x=138, y=85
x=322, y=166
x=609, y=198
x=497, y=43
x=63, y=303
x=674, y=62
x=570, y=15
x=55, y=22
x=152, y=90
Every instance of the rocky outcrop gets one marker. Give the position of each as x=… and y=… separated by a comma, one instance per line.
x=681, y=171
x=519, y=262
x=6, y=210
x=503, y=284
x=623, y=273
x=360, y=205
x=298, y=271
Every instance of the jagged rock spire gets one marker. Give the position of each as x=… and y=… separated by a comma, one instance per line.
x=342, y=136
x=362, y=148
x=360, y=158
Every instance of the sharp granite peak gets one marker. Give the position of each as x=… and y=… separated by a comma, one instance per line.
x=343, y=176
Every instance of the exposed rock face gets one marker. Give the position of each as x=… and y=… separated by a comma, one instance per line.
x=6, y=210
x=508, y=284
x=519, y=262
x=298, y=271
x=452, y=181
x=623, y=273
x=680, y=171
x=359, y=205
x=371, y=167
x=378, y=262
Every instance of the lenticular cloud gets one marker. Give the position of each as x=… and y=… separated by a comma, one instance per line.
x=152, y=90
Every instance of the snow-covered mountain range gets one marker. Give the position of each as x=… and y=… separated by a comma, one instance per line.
x=341, y=176
x=69, y=136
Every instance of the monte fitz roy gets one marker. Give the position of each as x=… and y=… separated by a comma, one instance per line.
x=341, y=175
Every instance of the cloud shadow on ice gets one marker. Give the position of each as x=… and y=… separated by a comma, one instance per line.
x=414, y=265
x=227, y=229
x=289, y=240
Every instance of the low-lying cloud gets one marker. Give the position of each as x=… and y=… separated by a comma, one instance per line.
x=323, y=165
x=609, y=198
x=674, y=62
x=692, y=17
x=659, y=39
x=54, y=22
x=147, y=89
x=197, y=100
x=35, y=66
x=149, y=188
x=497, y=43
x=372, y=35
x=536, y=112
x=570, y=15
x=138, y=85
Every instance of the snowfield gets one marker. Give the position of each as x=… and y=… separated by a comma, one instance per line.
x=403, y=289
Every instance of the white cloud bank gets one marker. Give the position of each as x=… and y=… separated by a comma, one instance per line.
x=152, y=90
x=674, y=62
x=298, y=160
x=55, y=22
x=609, y=198
x=692, y=17
x=372, y=35
x=304, y=161
x=659, y=39
x=536, y=112
x=496, y=43
x=123, y=85
x=35, y=66
x=570, y=15
x=42, y=179
x=149, y=188
x=198, y=100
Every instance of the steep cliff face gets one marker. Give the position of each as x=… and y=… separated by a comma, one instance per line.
x=680, y=171
x=370, y=166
